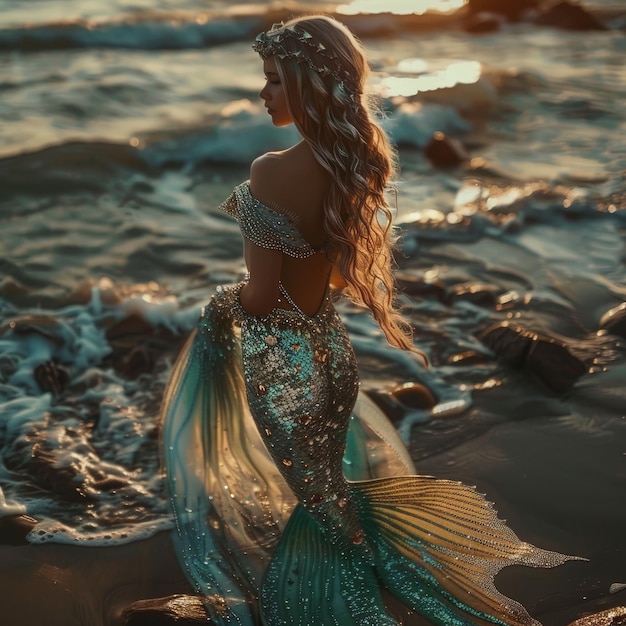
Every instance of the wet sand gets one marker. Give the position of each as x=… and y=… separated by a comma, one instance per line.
x=62, y=585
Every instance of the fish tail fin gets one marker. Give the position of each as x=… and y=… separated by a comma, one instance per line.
x=310, y=581
x=438, y=546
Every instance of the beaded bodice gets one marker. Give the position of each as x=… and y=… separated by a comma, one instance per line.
x=265, y=226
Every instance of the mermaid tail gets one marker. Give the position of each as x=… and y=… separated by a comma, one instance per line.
x=436, y=545
x=229, y=499
x=286, y=495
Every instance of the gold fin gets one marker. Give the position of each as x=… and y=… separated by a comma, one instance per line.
x=455, y=534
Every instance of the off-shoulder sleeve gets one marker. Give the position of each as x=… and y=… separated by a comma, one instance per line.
x=265, y=226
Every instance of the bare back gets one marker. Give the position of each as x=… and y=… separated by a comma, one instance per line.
x=294, y=183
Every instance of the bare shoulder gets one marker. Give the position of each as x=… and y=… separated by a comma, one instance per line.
x=291, y=179
x=265, y=173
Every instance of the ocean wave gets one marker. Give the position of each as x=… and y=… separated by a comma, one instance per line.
x=183, y=30
x=93, y=450
x=192, y=29
x=236, y=136
x=142, y=32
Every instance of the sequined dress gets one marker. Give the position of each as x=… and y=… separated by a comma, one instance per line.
x=295, y=501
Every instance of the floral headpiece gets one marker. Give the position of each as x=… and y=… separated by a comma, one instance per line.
x=279, y=41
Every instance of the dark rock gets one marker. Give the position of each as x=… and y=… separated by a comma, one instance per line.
x=14, y=528
x=614, y=320
x=413, y=396
x=40, y=464
x=136, y=345
x=510, y=343
x=10, y=288
x=545, y=357
x=46, y=327
x=126, y=330
x=569, y=16
x=554, y=364
x=513, y=10
x=443, y=151
x=52, y=377
x=179, y=609
x=404, y=399
x=109, y=484
x=138, y=361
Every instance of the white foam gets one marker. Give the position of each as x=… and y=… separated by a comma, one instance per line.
x=23, y=412
x=49, y=530
x=111, y=462
x=8, y=507
x=414, y=123
x=242, y=132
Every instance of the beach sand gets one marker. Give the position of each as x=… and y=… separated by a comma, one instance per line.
x=63, y=585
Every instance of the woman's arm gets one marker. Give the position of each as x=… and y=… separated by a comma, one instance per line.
x=260, y=294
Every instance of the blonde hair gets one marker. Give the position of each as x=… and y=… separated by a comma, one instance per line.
x=333, y=116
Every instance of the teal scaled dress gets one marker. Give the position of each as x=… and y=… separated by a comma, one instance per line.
x=295, y=502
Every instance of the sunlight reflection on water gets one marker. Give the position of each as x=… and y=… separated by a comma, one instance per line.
x=400, y=7
x=457, y=72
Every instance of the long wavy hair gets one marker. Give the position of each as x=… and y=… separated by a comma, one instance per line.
x=333, y=115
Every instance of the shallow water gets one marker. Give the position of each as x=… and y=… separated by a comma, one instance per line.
x=122, y=139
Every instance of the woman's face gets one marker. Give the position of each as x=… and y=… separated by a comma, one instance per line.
x=273, y=95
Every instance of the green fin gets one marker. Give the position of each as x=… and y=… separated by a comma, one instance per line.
x=311, y=581
x=439, y=546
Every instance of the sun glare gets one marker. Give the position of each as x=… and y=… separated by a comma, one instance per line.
x=400, y=7
x=455, y=73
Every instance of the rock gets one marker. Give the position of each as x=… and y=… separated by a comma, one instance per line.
x=545, y=357
x=136, y=345
x=443, y=151
x=614, y=320
x=138, y=361
x=46, y=327
x=508, y=342
x=49, y=375
x=11, y=288
x=611, y=617
x=403, y=399
x=553, y=363
x=179, y=609
x=52, y=377
x=413, y=396
x=512, y=10
x=64, y=483
x=569, y=16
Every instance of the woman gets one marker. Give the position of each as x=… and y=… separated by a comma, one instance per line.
x=293, y=505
